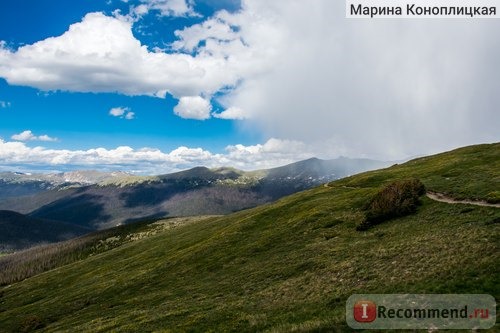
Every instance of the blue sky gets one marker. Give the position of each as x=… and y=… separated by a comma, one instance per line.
x=153, y=86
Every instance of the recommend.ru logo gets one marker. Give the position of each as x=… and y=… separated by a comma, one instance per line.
x=420, y=311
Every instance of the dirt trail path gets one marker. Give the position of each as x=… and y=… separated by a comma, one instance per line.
x=349, y=187
x=443, y=198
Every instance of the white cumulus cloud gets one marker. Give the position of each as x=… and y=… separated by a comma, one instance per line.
x=29, y=136
x=193, y=107
x=117, y=112
x=122, y=112
x=165, y=7
x=95, y=55
x=272, y=153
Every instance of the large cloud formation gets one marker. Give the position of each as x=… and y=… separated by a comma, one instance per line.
x=299, y=70
x=150, y=160
x=100, y=54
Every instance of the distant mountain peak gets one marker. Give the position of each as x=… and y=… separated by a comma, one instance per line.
x=313, y=159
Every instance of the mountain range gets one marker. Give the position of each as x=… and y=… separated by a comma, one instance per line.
x=16, y=184
x=92, y=200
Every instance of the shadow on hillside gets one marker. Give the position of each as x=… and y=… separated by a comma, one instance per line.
x=155, y=216
x=151, y=195
x=84, y=210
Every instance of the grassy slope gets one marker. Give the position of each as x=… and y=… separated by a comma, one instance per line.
x=280, y=267
x=30, y=262
x=466, y=173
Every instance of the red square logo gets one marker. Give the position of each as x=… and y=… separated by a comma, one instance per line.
x=365, y=311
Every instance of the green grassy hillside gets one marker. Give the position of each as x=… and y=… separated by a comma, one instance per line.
x=282, y=267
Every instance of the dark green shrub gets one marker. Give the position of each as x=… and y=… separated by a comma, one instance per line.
x=493, y=197
x=396, y=199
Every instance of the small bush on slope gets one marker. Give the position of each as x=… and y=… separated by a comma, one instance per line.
x=397, y=199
